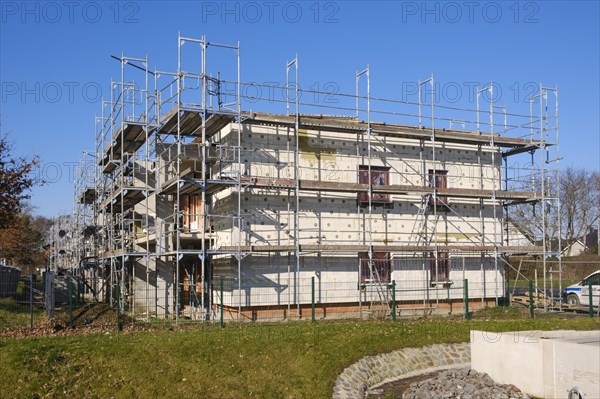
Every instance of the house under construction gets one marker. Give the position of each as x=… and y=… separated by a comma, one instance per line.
x=193, y=203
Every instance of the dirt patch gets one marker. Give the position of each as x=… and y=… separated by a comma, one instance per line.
x=395, y=389
x=88, y=319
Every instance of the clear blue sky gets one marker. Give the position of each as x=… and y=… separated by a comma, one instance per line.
x=55, y=56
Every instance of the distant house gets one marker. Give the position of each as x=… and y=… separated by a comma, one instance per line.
x=574, y=247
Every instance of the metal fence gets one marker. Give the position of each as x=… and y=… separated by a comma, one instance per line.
x=311, y=299
x=549, y=280
x=26, y=301
x=22, y=300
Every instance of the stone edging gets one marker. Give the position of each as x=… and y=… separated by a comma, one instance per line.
x=372, y=371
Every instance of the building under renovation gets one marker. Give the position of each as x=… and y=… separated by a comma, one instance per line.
x=194, y=202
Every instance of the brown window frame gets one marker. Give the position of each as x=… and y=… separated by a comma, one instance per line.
x=382, y=262
x=443, y=269
x=441, y=182
x=190, y=206
x=380, y=176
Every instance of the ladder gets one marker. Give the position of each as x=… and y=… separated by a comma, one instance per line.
x=381, y=292
x=380, y=286
x=194, y=302
x=419, y=233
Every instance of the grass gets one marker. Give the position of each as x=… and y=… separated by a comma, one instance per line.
x=14, y=315
x=523, y=283
x=285, y=360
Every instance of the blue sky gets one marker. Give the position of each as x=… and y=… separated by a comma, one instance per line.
x=55, y=60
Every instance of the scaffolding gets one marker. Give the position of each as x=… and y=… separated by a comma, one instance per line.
x=84, y=263
x=180, y=157
x=125, y=181
x=61, y=244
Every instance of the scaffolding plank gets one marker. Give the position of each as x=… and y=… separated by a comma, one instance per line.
x=117, y=253
x=128, y=139
x=190, y=122
x=352, y=248
x=190, y=185
x=348, y=125
x=310, y=185
x=520, y=150
x=87, y=197
x=131, y=196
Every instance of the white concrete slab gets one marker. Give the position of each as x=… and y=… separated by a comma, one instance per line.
x=546, y=364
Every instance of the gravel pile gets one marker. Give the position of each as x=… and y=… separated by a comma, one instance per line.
x=462, y=384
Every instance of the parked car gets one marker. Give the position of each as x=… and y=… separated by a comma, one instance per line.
x=579, y=294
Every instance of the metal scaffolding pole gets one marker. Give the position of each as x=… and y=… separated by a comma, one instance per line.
x=294, y=63
x=239, y=174
x=432, y=180
x=180, y=42
x=494, y=213
x=369, y=230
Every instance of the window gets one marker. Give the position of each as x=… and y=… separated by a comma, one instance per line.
x=190, y=207
x=438, y=179
x=442, y=271
x=381, y=267
x=380, y=176
x=190, y=272
x=594, y=279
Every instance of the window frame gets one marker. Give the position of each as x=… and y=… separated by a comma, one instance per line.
x=376, y=173
x=444, y=264
x=382, y=261
x=441, y=182
x=190, y=206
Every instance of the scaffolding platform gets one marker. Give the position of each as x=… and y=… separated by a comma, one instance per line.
x=350, y=248
x=189, y=122
x=324, y=123
x=129, y=138
x=128, y=195
x=87, y=197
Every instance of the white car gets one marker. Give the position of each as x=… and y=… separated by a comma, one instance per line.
x=579, y=294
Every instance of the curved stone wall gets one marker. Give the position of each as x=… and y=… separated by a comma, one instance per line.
x=372, y=371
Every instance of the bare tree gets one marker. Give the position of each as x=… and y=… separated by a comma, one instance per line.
x=580, y=207
x=595, y=246
x=579, y=201
x=536, y=219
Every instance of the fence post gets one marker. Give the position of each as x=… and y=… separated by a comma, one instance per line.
x=70, y=302
x=31, y=302
x=507, y=269
x=531, y=298
x=466, y=290
x=591, y=303
x=394, y=300
x=49, y=294
x=119, y=325
x=312, y=290
x=222, y=324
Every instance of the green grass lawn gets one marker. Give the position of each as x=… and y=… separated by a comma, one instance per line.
x=14, y=314
x=522, y=283
x=285, y=360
